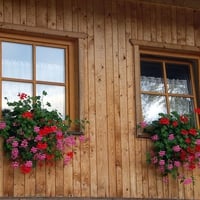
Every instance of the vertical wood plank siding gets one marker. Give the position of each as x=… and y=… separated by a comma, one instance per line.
x=112, y=163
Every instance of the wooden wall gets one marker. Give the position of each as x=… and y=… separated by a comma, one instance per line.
x=112, y=163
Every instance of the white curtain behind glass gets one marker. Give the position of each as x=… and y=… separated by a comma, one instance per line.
x=152, y=105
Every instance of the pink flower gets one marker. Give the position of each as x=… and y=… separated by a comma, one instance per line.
x=154, y=137
x=162, y=162
x=82, y=138
x=67, y=159
x=38, y=138
x=176, y=148
x=143, y=124
x=161, y=153
x=154, y=160
x=15, y=164
x=24, y=143
x=36, y=129
x=170, y=166
x=40, y=156
x=33, y=149
x=28, y=163
x=2, y=125
x=187, y=181
x=70, y=141
x=171, y=136
x=177, y=163
x=14, y=153
x=15, y=143
x=10, y=139
x=59, y=145
x=198, y=141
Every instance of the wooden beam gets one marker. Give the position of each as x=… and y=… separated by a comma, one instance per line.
x=38, y=30
x=165, y=46
x=194, y=4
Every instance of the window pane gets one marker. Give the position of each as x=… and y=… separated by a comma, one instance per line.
x=50, y=64
x=178, y=76
x=181, y=105
x=151, y=106
x=55, y=96
x=11, y=90
x=17, y=60
x=151, y=76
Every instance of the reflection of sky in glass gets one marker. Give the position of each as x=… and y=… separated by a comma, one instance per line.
x=50, y=64
x=151, y=106
x=55, y=96
x=11, y=90
x=17, y=60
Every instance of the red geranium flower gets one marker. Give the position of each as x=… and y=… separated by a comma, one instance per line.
x=197, y=148
x=24, y=169
x=22, y=96
x=49, y=156
x=197, y=110
x=193, y=131
x=164, y=121
x=42, y=145
x=70, y=154
x=174, y=123
x=184, y=132
x=27, y=115
x=184, y=119
x=188, y=140
x=192, y=166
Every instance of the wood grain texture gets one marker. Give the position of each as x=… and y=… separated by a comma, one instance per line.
x=108, y=34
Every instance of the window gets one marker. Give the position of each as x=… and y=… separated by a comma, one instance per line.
x=33, y=64
x=167, y=82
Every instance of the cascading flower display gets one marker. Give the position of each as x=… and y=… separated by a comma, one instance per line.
x=33, y=134
x=176, y=144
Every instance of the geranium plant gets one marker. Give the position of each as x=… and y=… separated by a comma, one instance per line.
x=176, y=145
x=34, y=134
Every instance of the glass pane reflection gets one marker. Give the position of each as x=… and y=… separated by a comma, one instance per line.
x=178, y=77
x=151, y=76
x=11, y=90
x=181, y=104
x=55, y=96
x=151, y=106
x=50, y=64
x=16, y=60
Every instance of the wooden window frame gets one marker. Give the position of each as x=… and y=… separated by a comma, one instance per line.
x=161, y=50
x=71, y=71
